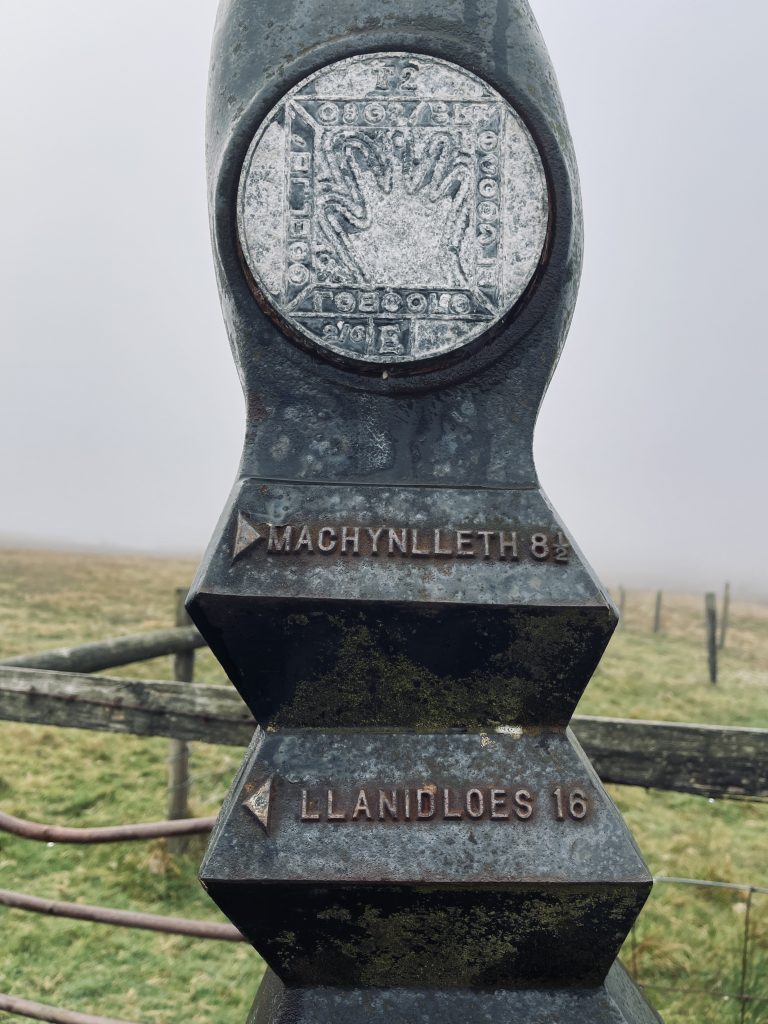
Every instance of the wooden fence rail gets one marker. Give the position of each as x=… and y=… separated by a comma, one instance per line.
x=701, y=759
x=707, y=760
x=213, y=714
x=121, y=650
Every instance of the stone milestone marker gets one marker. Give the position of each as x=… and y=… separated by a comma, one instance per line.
x=415, y=834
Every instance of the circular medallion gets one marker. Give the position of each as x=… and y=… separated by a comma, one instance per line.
x=392, y=208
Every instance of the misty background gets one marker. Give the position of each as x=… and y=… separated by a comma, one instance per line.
x=121, y=416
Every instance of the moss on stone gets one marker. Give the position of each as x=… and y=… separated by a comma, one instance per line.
x=436, y=939
x=369, y=679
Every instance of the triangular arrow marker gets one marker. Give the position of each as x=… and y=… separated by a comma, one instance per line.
x=258, y=804
x=245, y=538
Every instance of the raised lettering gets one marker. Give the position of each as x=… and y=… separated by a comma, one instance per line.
x=361, y=807
x=334, y=815
x=559, y=811
x=523, y=804
x=499, y=804
x=486, y=535
x=577, y=804
x=318, y=298
x=540, y=546
x=415, y=550
x=388, y=804
x=475, y=803
x=438, y=549
x=326, y=539
x=384, y=76
x=350, y=535
x=305, y=540
x=367, y=541
x=439, y=302
x=561, y=548
x=465, y=544
x=508, y=545
x=281, y=544
x=401, y=541
x=374, y=535
x=448, y=811
x=402, y=804
x=425, y=803
x=416, y=302
x=309, y=808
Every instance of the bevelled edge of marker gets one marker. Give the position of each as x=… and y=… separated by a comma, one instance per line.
x=618, y=1001
x=303, y=664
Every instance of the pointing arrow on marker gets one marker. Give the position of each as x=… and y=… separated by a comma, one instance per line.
x=258, y=804
x=246, y=537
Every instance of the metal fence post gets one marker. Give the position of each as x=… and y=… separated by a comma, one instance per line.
x=178, y=750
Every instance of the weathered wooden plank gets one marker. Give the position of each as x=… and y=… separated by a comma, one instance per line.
x=213, y=714
x=706, y=760
x=120, y=650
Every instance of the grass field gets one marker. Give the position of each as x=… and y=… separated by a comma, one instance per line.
x=688, y=941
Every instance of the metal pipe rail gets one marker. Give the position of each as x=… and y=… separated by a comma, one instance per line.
x=103, y=834
x=122, y=918
x=54, y=1014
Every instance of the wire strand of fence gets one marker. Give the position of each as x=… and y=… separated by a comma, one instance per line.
x=706, y=883
x=743, y=997
x=54, y=1014
x=123, y=918
x=103, y=834
x=687, y=990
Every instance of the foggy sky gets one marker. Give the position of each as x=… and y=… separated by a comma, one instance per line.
x=121, y=416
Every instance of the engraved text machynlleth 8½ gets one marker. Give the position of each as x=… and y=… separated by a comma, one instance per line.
x=392, y=208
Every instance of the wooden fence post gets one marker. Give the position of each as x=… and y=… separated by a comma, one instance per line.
x=657, y=613
x=622, y=606
x=178, y=751
x=710, y=605
x=725, y=614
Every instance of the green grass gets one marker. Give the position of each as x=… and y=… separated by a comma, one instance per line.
x=686, y=938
